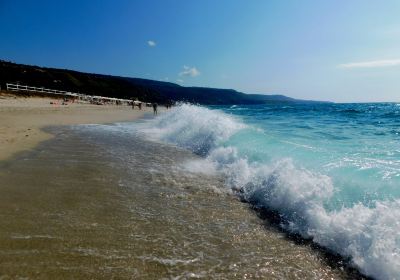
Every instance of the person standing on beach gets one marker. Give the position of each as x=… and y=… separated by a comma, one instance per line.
x=155, y=108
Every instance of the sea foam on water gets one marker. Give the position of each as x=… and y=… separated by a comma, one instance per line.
x=368, y=234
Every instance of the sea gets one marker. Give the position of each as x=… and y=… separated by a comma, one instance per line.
x=274, y=191
x=330, y=171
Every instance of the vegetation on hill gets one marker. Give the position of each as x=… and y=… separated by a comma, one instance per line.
x=123, y=87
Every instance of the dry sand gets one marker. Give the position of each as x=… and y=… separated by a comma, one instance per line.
x=21, y=119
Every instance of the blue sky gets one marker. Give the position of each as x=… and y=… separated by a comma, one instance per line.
x=339, y=50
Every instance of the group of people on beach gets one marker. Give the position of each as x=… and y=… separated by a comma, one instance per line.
x=139, y=105
x=154, y=105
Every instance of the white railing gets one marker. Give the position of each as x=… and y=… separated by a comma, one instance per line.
x=18, y=87
x=81, y=96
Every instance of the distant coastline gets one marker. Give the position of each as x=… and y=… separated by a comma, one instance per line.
x=129, y=88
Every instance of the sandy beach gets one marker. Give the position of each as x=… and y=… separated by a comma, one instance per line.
x=21, y=119
x=104, y=201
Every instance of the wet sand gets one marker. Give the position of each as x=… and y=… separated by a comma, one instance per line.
x=96, y=204
x=21, y=119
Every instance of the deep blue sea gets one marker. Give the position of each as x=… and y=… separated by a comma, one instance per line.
x=331, y=171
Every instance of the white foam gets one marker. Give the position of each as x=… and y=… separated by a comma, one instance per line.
x=370, y=236
x=193, y=127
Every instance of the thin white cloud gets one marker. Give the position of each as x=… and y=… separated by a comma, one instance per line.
x=371, y=64
x=189, y=71
x=180, y=81
x=151, y=43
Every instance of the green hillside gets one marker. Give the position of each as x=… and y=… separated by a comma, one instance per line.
x=123, y=87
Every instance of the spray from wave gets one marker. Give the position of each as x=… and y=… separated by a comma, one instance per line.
x=368, y=235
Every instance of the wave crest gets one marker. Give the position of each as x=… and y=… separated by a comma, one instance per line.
x=195, y=128
x=368, y=235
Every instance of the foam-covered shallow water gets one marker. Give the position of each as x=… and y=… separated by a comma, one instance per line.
x=330, y=171
x=102, y=202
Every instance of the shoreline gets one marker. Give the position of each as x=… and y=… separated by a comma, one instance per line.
x=70, y=193
x=22, y=119
x=123, y=205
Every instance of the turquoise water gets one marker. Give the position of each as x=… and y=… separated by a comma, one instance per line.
x=331, y=171
x=356, y=145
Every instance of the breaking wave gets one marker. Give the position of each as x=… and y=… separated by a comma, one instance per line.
x=367, y=234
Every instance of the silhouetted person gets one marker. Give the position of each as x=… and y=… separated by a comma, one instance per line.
x=140, y=106
x=155, y=108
